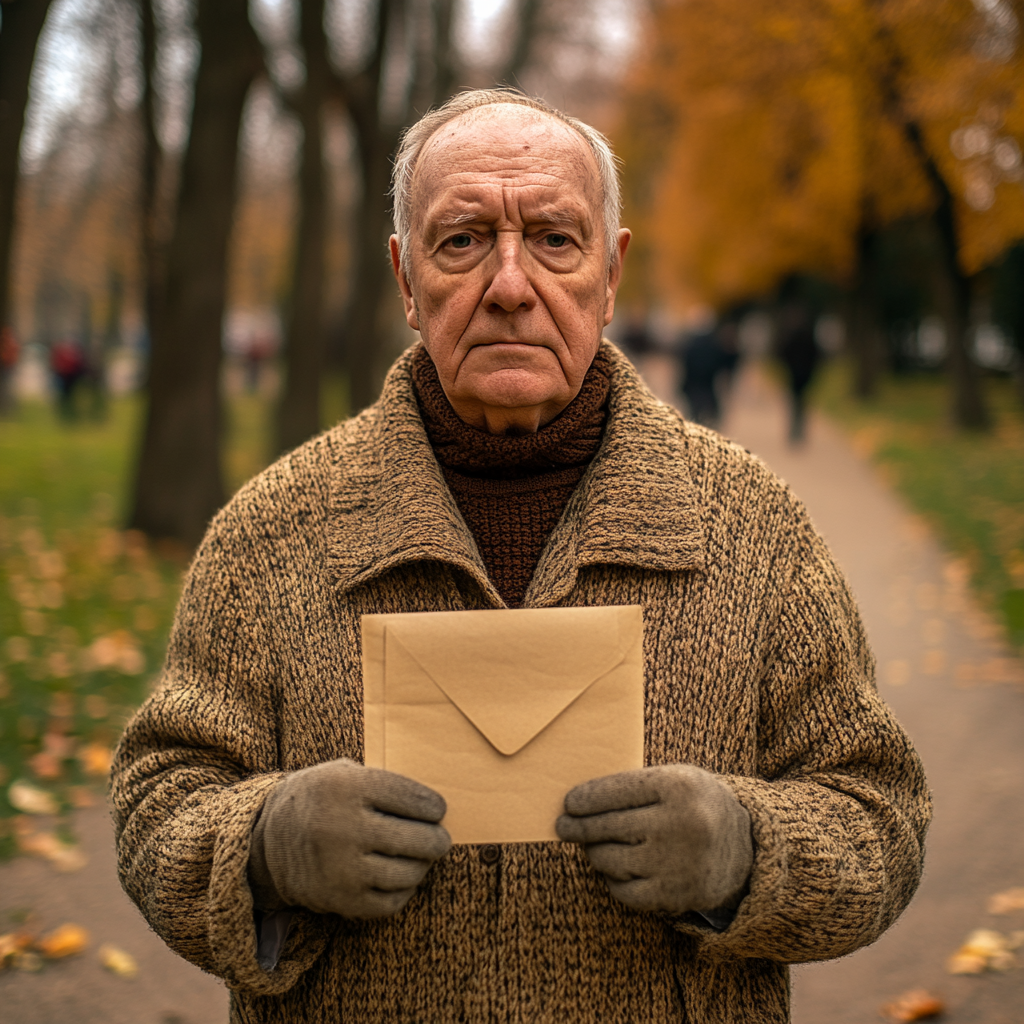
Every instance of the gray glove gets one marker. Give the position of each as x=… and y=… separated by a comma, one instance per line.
x=670, y=838
x=345, y=839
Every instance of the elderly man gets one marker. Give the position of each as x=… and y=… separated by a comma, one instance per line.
x=515, y=459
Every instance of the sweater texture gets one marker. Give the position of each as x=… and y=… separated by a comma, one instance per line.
x=755, y=667
x=512, y=491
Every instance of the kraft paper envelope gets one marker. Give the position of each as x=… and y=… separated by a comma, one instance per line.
x=504, y=711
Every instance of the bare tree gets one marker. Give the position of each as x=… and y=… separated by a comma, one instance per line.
x=152, y=165
x=19, y=34
x=178, y=483
x=298, y=415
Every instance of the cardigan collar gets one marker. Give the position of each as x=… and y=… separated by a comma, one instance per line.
x=635, y=506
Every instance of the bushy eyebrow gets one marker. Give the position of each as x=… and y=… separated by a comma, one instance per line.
x=457, y=221
x=550, y=218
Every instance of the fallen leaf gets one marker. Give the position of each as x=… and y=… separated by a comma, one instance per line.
x=67, y=940
x=45, y=765
x=29, y=799
x=95, y=759
x=984, y=950
x=117, y=961
x=917, y=1004
x=11, y=945
x=1007, y=901
x=65, y=857
x=118, y=650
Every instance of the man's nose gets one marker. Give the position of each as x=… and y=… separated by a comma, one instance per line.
x=510, y=288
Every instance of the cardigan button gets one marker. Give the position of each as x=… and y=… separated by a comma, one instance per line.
x=490, y=854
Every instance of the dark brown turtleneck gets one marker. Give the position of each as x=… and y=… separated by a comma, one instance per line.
x=512, y=491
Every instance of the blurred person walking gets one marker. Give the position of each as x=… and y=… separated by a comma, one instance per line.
x=68, y=365
x=703, y=359
x=799, y=354
x=638, y=340
x=9, y=353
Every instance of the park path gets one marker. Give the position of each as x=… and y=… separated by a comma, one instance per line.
x=941, y=667
x=945, y=673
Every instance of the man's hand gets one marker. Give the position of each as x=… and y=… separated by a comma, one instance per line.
x=344, y=839
x=669, y=838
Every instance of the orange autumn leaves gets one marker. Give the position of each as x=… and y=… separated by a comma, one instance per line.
x=24, y=951
x=758, y=139
x=83, y=615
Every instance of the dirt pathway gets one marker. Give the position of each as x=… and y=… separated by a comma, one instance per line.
x=166, y=990
x=943, y=670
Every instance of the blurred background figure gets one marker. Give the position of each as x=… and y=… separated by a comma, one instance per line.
x=258, y=351
x=637, y=339
x=797, y=350
x=9, y=352
x=68, y=366
x=703, y=361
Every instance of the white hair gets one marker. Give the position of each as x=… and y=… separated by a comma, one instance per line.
x=415, y=138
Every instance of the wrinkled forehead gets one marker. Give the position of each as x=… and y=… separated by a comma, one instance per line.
x=497, y=143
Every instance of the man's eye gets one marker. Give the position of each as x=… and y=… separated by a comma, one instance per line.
x=556, y=241
x=461, y=241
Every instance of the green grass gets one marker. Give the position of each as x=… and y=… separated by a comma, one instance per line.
x=969, y=486
x=85, y=607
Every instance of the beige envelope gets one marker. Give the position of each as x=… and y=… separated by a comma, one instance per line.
x=504, y=711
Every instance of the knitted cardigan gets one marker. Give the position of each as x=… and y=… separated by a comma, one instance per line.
x=756, y=667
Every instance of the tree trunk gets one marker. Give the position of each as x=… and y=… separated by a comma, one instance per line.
x=362, y=341
x=298, y=415
x=953, y=296
x=178, y=483
x=954, y=299
x=864, y=334
x=22, y=24
x=152, y=158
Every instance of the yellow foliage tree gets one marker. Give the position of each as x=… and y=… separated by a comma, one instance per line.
x=781, y=128
x=761, y=139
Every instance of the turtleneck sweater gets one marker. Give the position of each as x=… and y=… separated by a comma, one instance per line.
x=512, y=490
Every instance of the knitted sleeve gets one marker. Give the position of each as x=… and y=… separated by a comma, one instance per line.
x=194, y=767
x=839, y=803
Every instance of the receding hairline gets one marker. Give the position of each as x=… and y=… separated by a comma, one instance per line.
x=490, y=110
x=416, y=138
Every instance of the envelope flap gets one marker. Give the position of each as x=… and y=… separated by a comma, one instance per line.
x=513, y=672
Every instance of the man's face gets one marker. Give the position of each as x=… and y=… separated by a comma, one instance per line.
x=508, y=279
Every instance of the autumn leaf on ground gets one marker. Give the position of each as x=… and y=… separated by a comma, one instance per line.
x=64, y=857
x=1006, y=902
x=67, y=940
x=118, y=650
x=914, y=1005
x=117, y=961
x=984, y=950
x=12, y=945
x=29, y=799
x=95, y=759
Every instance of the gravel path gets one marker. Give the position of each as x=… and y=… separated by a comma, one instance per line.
x=941, y=667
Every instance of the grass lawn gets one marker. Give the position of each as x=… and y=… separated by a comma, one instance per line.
x=85, y=607
x=970, y=487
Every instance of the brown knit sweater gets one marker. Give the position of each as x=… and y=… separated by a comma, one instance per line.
x=755, y=667
x=512, y=491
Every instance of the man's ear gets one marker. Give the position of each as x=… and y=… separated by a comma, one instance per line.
x=615, y=273
x=403, y=284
